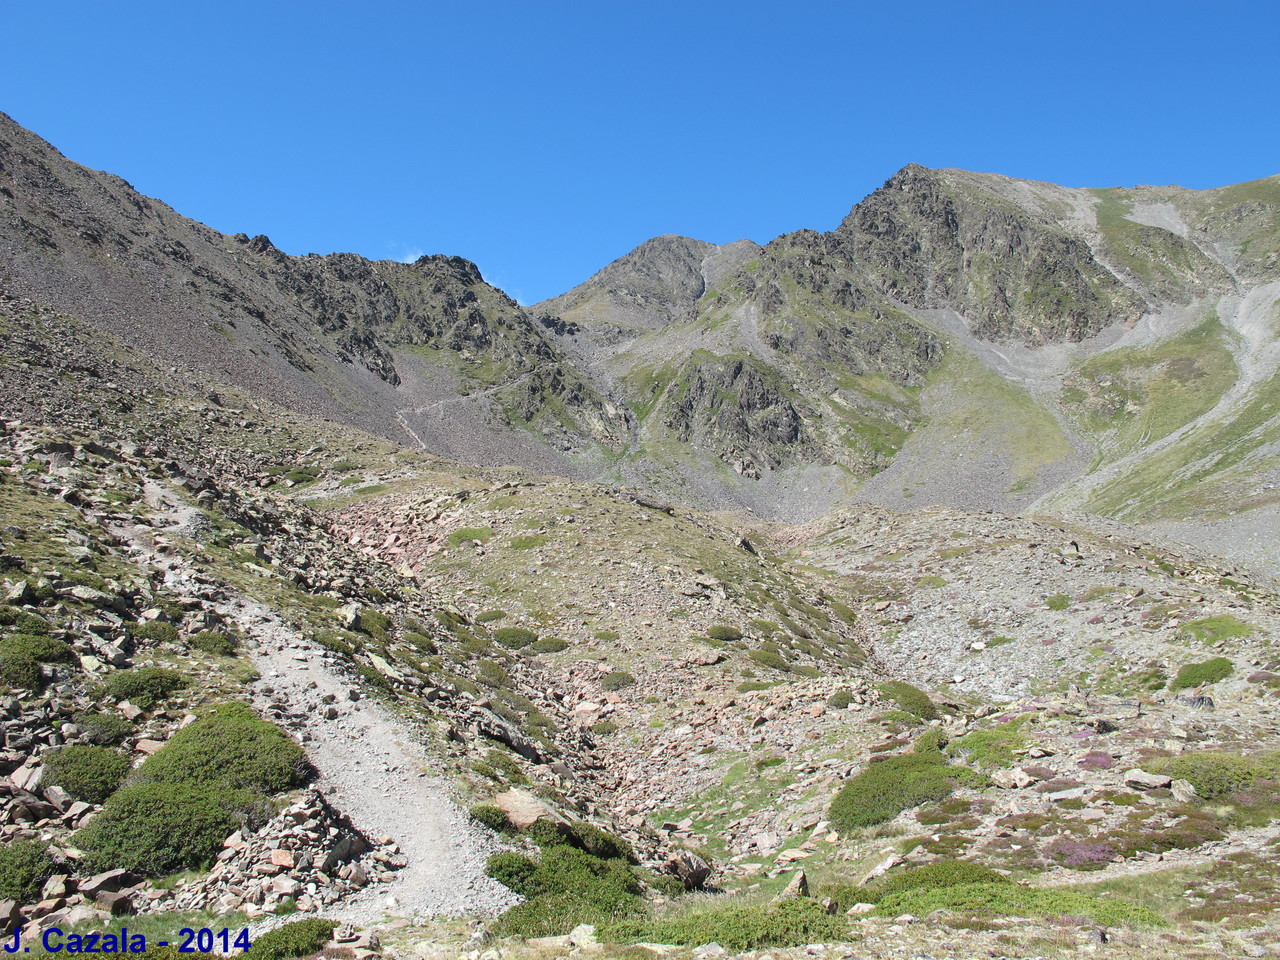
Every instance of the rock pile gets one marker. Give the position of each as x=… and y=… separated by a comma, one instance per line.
x=310, y=855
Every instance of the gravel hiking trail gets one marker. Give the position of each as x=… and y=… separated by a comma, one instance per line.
x=373, y=771
x=371, y=767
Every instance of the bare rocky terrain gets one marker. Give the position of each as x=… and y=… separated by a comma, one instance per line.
x=910, y=619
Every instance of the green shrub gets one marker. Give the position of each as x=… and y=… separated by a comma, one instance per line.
x=21, y=655
x=600, y=843
x=787, y=923
x=566, y=887
x=993, y=748
x=604, y=728
x=1197, y=674
x=156, y=829
x=155, y=631
x=104, y=729
x=843, y=611
x=1215, y=774
x=490, y=673
x=931, y=876
x=90, y=774
x=1012, y=899
x=145, y=686
x=911, y=699
x=617, y=680
x=889, y=786
x=301, y=938
x=23, y=621
x=377, y=625
x=529, y=541
x=549, y=645
x=1059, y=601
x=230, y=747
x=421, y=642
x=514, y=871
x=338, y=642
x=750, y=686
x=840, y=700
x=771, y=659
x=608, y=636
x=215, y=642
x=1210, y=630
x=507, y=766
x=514, y=638
x=492, y=816
x=722, y=632
x=490, y=615
x=25, y=865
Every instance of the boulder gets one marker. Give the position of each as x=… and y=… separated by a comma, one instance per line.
x=1141, y=780
x=690, y=869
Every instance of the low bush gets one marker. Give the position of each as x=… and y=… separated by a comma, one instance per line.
x=489, y=616
x=931, y=876
x=604, y=728
x=490, y=673
x=514, y=638
x=911, y=699
x=492, y=816
x=22, y=653
x=994, y=747
x=771, y=659
x=421, y=642
x=565, y=887
x=301, y=938
x=145, y=686
x=840, y=700
x=1198, y=674
x=215, y=642
x=156, y=829
x=87, y=773
x=104, y=729
x=1215, y=774
x=722, y=632
x=377, y=625
x=549, y=645
x=1013, y=899
x=1059, y=601
x=787, y=923
x=25, y=865
x=889, y=786
x=24, y=621
x=617, y=680
x=154, y=631
x=229, y=747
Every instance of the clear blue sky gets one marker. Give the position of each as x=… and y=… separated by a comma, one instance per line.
x=542, y=140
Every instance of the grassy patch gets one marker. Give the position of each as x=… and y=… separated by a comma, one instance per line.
x=891, y=785
x=24, y=867
x=738, y=927
x=1211, y=630
x=1198, y=674
x=911, y=699
x=145, y=686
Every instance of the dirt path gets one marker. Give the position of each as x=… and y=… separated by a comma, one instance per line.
x=371, y=768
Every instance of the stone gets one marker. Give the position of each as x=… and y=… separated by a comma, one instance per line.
x=1183, y=791
x=798, y=886
x=690, y=869
x=149, y=747
x=583, y=935
x=859, y=908
x=522, y=808
x=285, y=886
x=1142, y=780
x=1072, y=793
x=282, y=858
x=109, y=882
x=115, y=902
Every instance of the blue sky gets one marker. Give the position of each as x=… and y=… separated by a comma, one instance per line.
x=543, y=140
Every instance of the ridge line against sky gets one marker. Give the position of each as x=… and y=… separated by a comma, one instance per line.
x=543, y=142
